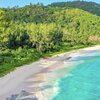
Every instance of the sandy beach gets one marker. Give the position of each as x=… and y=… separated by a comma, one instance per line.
x=37, y=81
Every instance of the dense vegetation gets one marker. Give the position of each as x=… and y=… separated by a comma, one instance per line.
x=34, y=31
x=91, y=7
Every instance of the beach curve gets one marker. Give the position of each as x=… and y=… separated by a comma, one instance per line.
x=36, y=78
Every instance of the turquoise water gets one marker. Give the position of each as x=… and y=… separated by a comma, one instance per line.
x=84, y=82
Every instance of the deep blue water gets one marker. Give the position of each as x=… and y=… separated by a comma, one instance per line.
x=84, y=82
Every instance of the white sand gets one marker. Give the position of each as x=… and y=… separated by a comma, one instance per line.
x=35, y=77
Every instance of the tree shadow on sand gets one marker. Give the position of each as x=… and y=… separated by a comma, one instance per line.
x=23, y=95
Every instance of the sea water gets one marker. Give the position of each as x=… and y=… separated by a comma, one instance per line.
x=84, y=81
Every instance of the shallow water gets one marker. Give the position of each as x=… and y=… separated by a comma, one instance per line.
x=84, y=81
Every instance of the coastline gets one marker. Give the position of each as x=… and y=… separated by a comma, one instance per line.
x=48, y=94
x=38, y=77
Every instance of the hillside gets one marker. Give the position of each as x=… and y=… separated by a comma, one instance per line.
x=91, y=7
x=74, y=21
x=34, y=31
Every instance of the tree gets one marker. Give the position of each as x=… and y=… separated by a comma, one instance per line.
x=18, y=39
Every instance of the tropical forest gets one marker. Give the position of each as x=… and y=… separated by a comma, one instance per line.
x=38, y=31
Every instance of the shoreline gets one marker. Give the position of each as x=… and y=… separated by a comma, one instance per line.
x=71, y=55
x=34, y=77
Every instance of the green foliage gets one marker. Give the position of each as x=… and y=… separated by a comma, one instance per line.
x=18, y=39
x=11, y=59
x=91, y=7
x=56, y=37
x=34, y=31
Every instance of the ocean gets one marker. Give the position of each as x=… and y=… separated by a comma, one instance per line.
x=83, y=83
